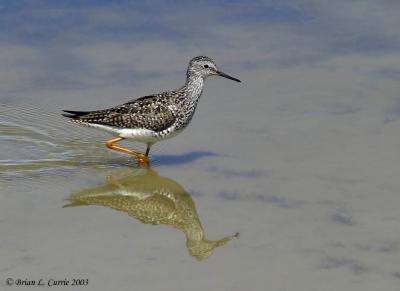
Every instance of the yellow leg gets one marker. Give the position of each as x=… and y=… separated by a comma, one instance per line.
x=143, y=159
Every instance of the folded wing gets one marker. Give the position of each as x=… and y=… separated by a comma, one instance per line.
x=150, y=112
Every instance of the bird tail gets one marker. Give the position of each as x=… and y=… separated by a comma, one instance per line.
x=74, y=114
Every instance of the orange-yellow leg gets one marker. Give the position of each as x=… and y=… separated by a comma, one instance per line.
x=143, y=159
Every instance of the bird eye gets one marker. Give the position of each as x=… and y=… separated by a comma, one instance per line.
x=206, y=66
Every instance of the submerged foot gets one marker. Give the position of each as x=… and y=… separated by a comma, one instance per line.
x=143, y=160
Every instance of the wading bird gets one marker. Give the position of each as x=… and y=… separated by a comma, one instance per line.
x=152, y=118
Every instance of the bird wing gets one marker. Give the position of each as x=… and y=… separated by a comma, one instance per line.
x=149, y=112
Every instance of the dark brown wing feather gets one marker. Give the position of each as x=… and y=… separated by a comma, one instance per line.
x=149, y=112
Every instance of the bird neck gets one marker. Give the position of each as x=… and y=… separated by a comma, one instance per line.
x=194, y=87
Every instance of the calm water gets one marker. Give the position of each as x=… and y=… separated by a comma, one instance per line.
x=314, y=196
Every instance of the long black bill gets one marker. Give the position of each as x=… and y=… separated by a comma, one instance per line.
x=227, y=76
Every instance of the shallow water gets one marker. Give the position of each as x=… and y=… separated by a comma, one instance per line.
x=313, y=212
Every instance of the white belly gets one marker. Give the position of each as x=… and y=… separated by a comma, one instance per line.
x=137, y=134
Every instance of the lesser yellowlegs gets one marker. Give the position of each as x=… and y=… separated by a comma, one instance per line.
x=152, y=118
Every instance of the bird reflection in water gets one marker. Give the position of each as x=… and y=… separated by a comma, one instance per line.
x=153, y=199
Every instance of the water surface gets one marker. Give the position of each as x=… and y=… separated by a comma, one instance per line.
x=310, y=209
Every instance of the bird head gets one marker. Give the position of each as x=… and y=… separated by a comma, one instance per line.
x=204, y=66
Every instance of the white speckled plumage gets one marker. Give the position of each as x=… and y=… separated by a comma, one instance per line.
x=155, y=117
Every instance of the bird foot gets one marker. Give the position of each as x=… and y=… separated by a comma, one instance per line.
x=143, y=160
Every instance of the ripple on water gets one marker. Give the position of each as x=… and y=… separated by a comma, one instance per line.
x=35, y=142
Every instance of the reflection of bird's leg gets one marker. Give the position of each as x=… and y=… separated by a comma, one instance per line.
x=110, y=180
x=143, y=159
